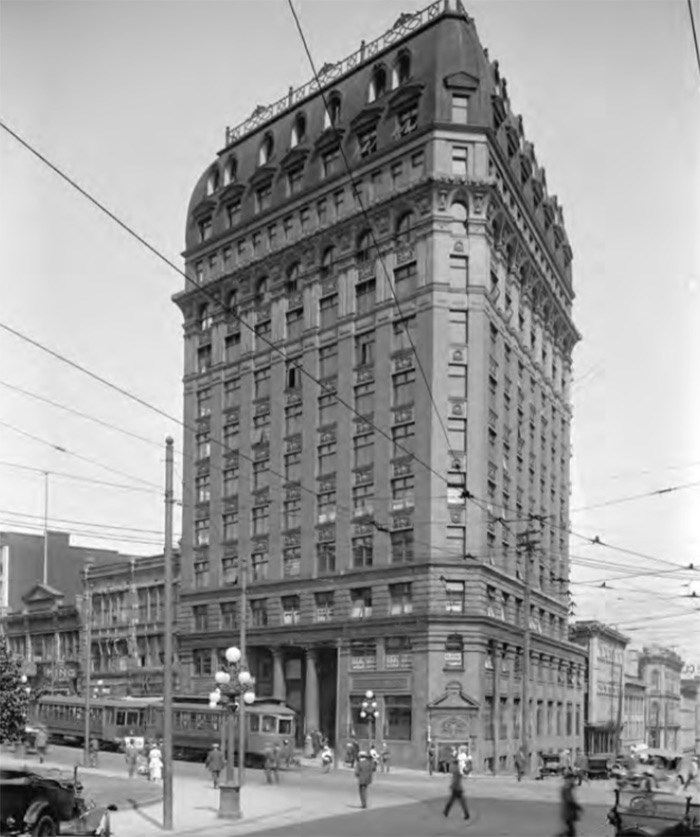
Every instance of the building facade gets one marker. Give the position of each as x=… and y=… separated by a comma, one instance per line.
x=376, y=375
x=688, y=744
x=635, y=701
x=660, y=668
x=606, y=685
x=125, y=604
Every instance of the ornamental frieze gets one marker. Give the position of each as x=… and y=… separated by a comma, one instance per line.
x=405, y=254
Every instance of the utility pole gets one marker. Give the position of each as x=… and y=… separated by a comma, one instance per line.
x=526, y=542
x=87, y=683
x=46, y=527
x=242, y=639
x=168, y=642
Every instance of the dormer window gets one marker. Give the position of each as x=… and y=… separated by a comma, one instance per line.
x=213, y=181
x=332, y=115
x=298, y=130
x=230, y=171
x=402, y=70
x=377, y=86
x=266, y=149
x=460, y=108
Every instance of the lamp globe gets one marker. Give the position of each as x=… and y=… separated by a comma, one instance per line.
x=233, y=654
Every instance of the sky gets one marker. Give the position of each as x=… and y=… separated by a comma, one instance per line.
x=132, y=100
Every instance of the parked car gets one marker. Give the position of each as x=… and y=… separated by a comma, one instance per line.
x=42, y=806
x=600, y=765
x=551, y=764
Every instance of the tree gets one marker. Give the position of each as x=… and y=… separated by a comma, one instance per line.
x=14, y=700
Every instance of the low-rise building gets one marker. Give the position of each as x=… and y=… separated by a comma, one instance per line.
x=660, y=668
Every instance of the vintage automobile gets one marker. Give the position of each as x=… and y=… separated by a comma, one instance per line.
x=40, y=805
x=600, y=765
x=653, y=814
x=551, y=764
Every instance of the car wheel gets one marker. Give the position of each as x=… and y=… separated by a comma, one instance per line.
x=46, y=826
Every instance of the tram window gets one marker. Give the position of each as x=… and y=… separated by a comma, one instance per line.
x=215, y=723
x=132, y=719
x=285, y=726
x=268, y=723
x=121, y=718
x=200, y=720
x=78, y=713
x=254, y=723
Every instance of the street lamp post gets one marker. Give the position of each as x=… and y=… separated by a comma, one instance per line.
x=234, y=689
x=370, y=711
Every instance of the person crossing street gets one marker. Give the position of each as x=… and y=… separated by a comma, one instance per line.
x=457, y=790
x=215, y=763
x=363, y=771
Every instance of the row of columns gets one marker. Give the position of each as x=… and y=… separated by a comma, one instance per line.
x=311, y=693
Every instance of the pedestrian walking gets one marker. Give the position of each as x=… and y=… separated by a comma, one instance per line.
x=374, y=755
x=363, y=771
x=94, y=752
x=131, y=756
x=457, y=790
x=155, y=764
x=431, y=753
x=581, y=767
x=692, y=773
x=352, y=751
x=519, y=764
x=570, y=809
x=326, y=758
x=276, y=758
x=41, y=742
x=215, y=763
x=385, y=758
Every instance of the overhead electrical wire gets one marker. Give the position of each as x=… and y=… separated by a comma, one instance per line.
x=695, y=34
x=632, y=497
x=84, y=523
x=78, y=478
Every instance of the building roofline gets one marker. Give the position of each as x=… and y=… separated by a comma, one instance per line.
x=592, y=627
x=330, y=74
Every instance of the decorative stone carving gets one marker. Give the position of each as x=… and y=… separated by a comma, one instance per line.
x=459, y=247
x=325, y=534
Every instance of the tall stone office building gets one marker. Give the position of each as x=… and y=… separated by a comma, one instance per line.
x=353, y=353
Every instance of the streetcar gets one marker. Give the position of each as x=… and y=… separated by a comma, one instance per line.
x=196, y=725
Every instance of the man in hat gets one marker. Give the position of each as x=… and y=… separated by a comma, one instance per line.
x=456, y=790
x=215, y=763
x=570, y=809
x=363, y=771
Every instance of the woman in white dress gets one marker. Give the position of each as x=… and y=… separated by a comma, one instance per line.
x=155, y=764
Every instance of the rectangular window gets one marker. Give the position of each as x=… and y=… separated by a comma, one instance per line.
x=230, y=436
x=228, y=615
x=232, y=346
x=230, y=485
x=398, y=652
x=503, y=719
x=199, y=273
x=405, y=280
x=305, y=219
x=328, y=310
x=201, y=574
x=293, y=419
x=288, y=227
x=233, y=213
x=402, y=547
x=327, y=456
x=263, y=198
x=460, y=104
x=261, y=520
x=401, y=598
x=201, y=532
x=291, y=614
x=272, y=236
x=259, y=564
x=324, y=606
x=325, y=558
x=203, y=359
x=205, y=229
x=362, y=550
x=364, y=399
x=230, y=525
x=367, y=142
x=459, y=160
x=327, y=409
x=398, y=717
x=203, y=402
x=403, y=438
x=295, y=180
x=402, y=493
x=291, y=562
x=403, y=388
x=326, y=506
x=258, y=609
x=292, y=513
x=455, y=596
x=203, y=488
x=457, y=383
x=457, y=433
x=363, y=500
x=402, y=333
x=459, y=273
x=339, y=202
x=231, y=392
x=407, y=120
x=363, y=447
x=292, y=466
x=328, y=361
x=229, y=569
x=201, y=662
x=295, y=323
x=364, y=349
x=361, y=603
x=331, y=164
x=262, y=383
x=365, y=296
x=488, y=718
x=363, y=655
x=200, y=617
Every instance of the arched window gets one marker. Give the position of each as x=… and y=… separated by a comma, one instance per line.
x=205, y=319
x=364, y=247
x=298, y=130
x=404, y=228
x=332, y=115
x=377, y=85
x=459, y=214
x=261, y=290
x=266, y=148
x=213, y=181
x=230, y=171
x=292, y=278
x=402, y=70
x=327, y=261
